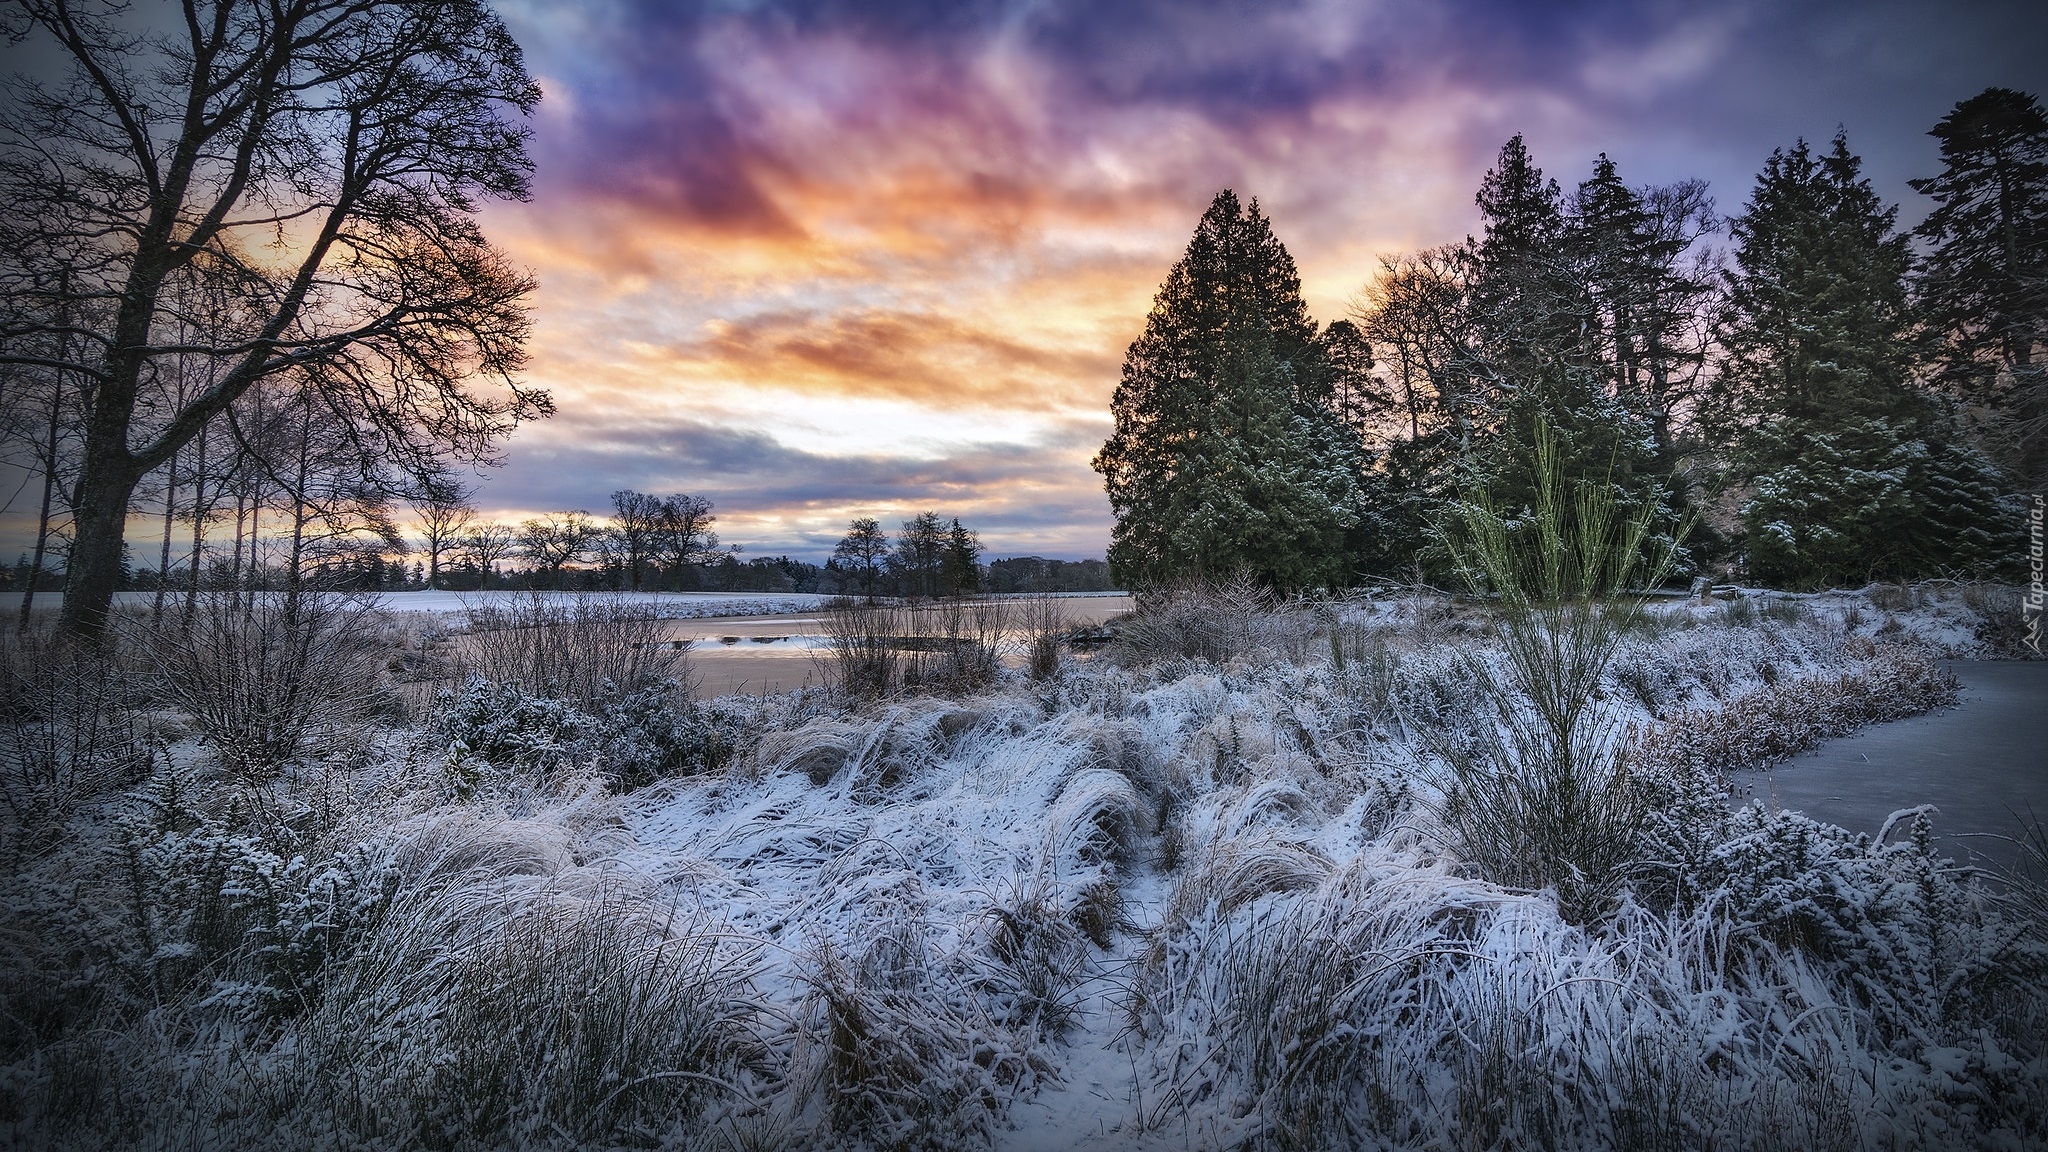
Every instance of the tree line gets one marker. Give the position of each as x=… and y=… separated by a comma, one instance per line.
x=1827, y=398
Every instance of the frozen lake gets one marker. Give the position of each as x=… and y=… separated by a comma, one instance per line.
x=1983, y=763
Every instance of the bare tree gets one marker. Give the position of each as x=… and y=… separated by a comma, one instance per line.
x=486, y=544
x=445, y=515
x=351, y=140
x=637, y=520
x=863, y=551
x=556, y=540
x=684, y=536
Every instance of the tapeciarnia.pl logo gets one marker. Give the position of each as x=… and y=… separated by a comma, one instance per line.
x=2037, y=596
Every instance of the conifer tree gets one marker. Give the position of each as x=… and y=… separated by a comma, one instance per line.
x=1855, y=474
x=1534, y=321
x=1226, y=457
x=1984, y=285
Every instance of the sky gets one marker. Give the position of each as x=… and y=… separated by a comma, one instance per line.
x=822, y=260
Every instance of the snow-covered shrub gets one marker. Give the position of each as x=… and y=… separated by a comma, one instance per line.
x=1918, y=944
x=67, y=732
x=1770, y=724
x=263, y=675
x=579, y=649
x=635, y=737
x=1212, y=623
x=2002, y=620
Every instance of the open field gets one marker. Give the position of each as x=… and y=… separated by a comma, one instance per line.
x=1231, y=883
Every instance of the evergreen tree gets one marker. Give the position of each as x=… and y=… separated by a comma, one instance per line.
x=961, y=566
x=1816, y=325
x=1855, y=474
x=1535, y=324
x=1226, y=456
x=1984, y=285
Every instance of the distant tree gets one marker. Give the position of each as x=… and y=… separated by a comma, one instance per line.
x=638, y=520
x=683, y=537
x=863, y=552
x=555, y=541
x=483, y=545
x=1984, y=284
x=960, y=567
x=920, y=554
x=445, y=515
x=1226, y=456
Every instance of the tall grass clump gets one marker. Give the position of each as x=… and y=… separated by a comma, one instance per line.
x=263, y=676
x=579, y=649
x=1546, y=801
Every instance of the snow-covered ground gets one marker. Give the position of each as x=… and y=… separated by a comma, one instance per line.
x=1152, y=902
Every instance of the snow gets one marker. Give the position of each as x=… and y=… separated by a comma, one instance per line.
x=1296, y=945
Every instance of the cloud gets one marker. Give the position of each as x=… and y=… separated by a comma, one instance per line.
x=895, y=250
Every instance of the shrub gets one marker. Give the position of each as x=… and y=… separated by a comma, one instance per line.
x=580, y=648
x=1544, y=800
x=67, y=731
x=862, y=642
x=635, y=738
x=1785, y=718
x=1195, y=621
x=1043, y=622
x=262, y=675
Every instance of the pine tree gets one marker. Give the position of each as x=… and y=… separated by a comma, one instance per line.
x=1984, y=286
x=1855, y=474
x=1226, y=457
x=1535, y=325
x=1816, y=322
x=961, y=565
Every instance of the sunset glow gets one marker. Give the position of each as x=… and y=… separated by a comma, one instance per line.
x=820, y=261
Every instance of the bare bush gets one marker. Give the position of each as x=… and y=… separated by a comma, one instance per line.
x=1042, y=621
x=261, y=675
x=1195, y=621
x=579, y=648
x=67, y=730
x=955, y=645
x=861, y=640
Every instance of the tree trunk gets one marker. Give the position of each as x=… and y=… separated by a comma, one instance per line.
x=35, y=571
x=97, y=527
x=199, y=511
x=163, y=560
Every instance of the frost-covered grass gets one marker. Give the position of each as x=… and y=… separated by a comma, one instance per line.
x=1202, y=891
